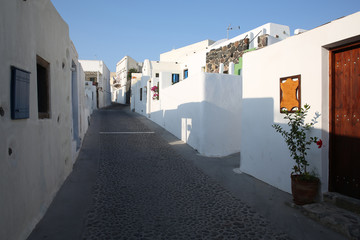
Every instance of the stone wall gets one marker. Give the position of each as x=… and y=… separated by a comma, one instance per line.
x=226, y=54
x=263, y=40
x=230, y=53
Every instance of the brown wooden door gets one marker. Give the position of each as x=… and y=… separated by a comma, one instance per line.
x=345, y=121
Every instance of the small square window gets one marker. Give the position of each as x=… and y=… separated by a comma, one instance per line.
x=175, y=78
x=186, y=73
x=157, y=75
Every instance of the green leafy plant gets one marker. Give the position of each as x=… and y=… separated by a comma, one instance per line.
x=297, y=139
x=131, y=70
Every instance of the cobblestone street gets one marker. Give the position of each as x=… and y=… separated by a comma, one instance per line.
x=147, y=191
x=130, y=183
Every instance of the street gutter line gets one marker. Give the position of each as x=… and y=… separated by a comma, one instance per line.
x=126, y=132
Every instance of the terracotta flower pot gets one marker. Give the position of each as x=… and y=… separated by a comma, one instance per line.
x=304, y=191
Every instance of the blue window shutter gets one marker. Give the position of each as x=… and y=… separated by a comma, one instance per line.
x=175, y=78
x=186, y=73
x=20, y=91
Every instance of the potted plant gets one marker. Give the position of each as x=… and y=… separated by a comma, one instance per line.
x=304, y=184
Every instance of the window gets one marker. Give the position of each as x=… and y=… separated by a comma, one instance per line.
x=157, y=75
x=186, y=73
x=175, y=78
x=43, y=87
x=20, y=89
x=140, y=94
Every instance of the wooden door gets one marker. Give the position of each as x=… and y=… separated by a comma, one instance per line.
x=345, y=121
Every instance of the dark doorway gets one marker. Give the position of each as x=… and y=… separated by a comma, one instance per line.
x=345, y=120
x=43, y=87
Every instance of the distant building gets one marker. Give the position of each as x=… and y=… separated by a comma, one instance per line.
x=122, y=69
x=98, y=73
x=113, y=86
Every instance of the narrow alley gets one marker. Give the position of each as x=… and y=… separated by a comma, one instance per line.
x=129, y=182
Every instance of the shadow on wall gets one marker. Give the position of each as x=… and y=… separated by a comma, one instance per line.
x=264, y=153
x=210, y=129
x=256, y=116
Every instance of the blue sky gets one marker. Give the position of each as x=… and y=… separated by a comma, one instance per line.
x=110, y=29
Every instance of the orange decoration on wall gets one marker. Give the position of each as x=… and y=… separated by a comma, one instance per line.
x=290, y=93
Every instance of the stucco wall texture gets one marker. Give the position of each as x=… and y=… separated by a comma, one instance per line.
x=35, y=154
x=202, y=110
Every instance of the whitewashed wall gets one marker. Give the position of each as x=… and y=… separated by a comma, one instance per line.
x=120, y=95
x=141, y=82
x=135, y=77
x=78, y=104
x=202, y=110
x=158, y=66
x=181, y=54
x=90, y=97
x=105, y=93
x=195, y=63
x=263, y=151
x=40, y=158
x=85, y=109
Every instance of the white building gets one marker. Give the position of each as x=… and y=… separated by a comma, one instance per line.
x=189, y=105
x=322, y=58
x=42, y=116
x=123, y=90
x=97, y=72
x=202, y=109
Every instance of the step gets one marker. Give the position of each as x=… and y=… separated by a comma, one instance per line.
x=342, y=201
x=338, y=219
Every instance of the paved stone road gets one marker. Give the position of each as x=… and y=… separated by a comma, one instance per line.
x=145, y=190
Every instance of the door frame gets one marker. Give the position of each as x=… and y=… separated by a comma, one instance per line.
x=331, y=105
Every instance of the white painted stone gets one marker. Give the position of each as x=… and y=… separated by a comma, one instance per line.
x=221, y=68
x=231, y=68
